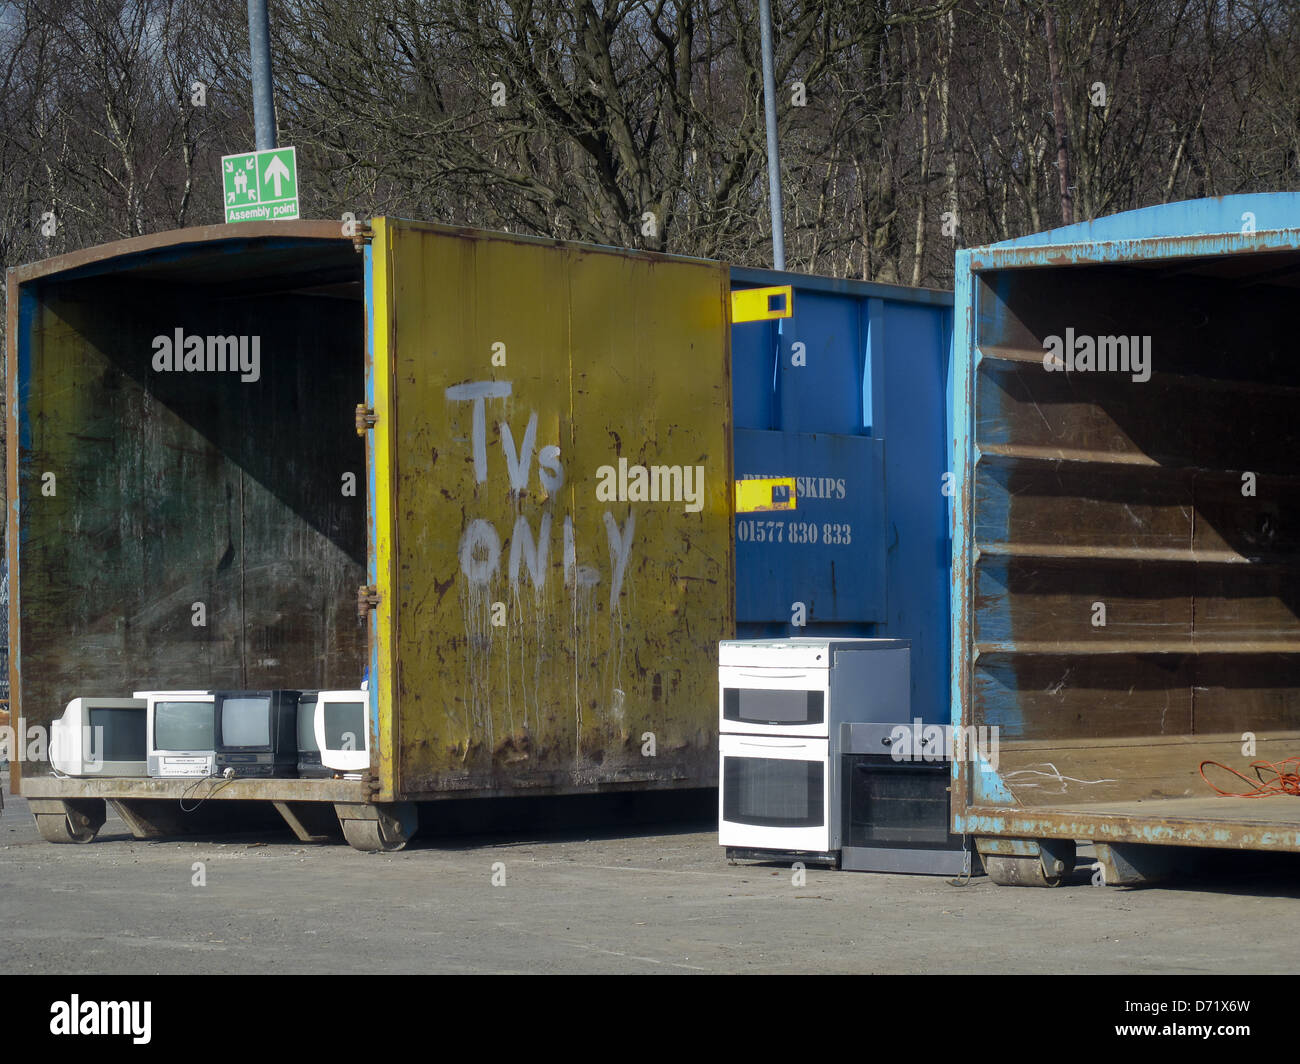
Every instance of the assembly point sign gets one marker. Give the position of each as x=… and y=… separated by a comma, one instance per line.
x=260, y=186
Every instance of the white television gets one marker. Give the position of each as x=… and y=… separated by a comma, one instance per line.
x=182, y=733
x=100, y=737
x=342, y=724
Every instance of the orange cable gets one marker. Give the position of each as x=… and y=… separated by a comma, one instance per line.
x=1283, y=780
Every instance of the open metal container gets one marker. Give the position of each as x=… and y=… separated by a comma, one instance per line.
x=431, y=470
x=1126, y=537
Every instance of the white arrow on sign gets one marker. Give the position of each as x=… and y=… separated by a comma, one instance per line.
x=278, y=172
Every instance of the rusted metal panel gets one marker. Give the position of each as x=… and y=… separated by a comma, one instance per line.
x=191, y=791
x=1125, y=545
x=1181, y=822
x=553, y=625
x=15, y=297
x=168, y=254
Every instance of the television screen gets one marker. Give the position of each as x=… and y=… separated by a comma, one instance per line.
x=246, y=721
x=183, y=726
x=345, y=725
x=307, y=728
x=124, y=736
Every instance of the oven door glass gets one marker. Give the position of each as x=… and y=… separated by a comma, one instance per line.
x=774, y=701
x=895, y=803
x=746, y=705
x=775, y=793
x=772, y=793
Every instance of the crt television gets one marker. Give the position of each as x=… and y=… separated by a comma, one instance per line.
x=343, y=730
x=309, y=763
x=101, y=737
x=180, y=727
x=257, y=732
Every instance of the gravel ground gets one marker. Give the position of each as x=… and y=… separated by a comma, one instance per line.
x=654, y=899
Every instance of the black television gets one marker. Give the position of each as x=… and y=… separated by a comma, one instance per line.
x=257, y=733
x=309, y=763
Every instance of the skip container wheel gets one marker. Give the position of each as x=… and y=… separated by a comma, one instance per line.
x=68, y=822
x=1018, y=872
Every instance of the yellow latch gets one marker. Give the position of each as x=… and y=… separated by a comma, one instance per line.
x=772, y=493
x=762, y=304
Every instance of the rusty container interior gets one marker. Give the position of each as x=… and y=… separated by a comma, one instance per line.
x=185, y=529
x=1127, y=575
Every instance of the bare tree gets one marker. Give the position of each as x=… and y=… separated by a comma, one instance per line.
x=905, y=128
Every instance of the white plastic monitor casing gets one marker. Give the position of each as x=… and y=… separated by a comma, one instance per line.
x=343, y=760
x=68, y=740
x=170, y=764
x=146, y=694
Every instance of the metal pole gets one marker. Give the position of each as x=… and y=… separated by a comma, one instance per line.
x=259, y=45
x=773, y=153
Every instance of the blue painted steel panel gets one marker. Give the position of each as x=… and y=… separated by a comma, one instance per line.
x=27, y=308
x=813, y=554
x=751, y=277
x=912, y=411
x=373, y=517
x=753, y=372
x=959, y=464
x=819, y=374
x=1223, y=214
x=878, y=358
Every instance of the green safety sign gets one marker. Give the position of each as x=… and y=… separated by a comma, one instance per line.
x=260, y=186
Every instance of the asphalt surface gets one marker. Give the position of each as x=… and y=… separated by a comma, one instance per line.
x=657, y=899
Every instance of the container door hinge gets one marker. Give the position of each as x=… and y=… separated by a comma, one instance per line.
x=361, y=236
x=367, y=599
x=366, y=418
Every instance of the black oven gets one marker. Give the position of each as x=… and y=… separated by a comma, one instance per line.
x=896, y=810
